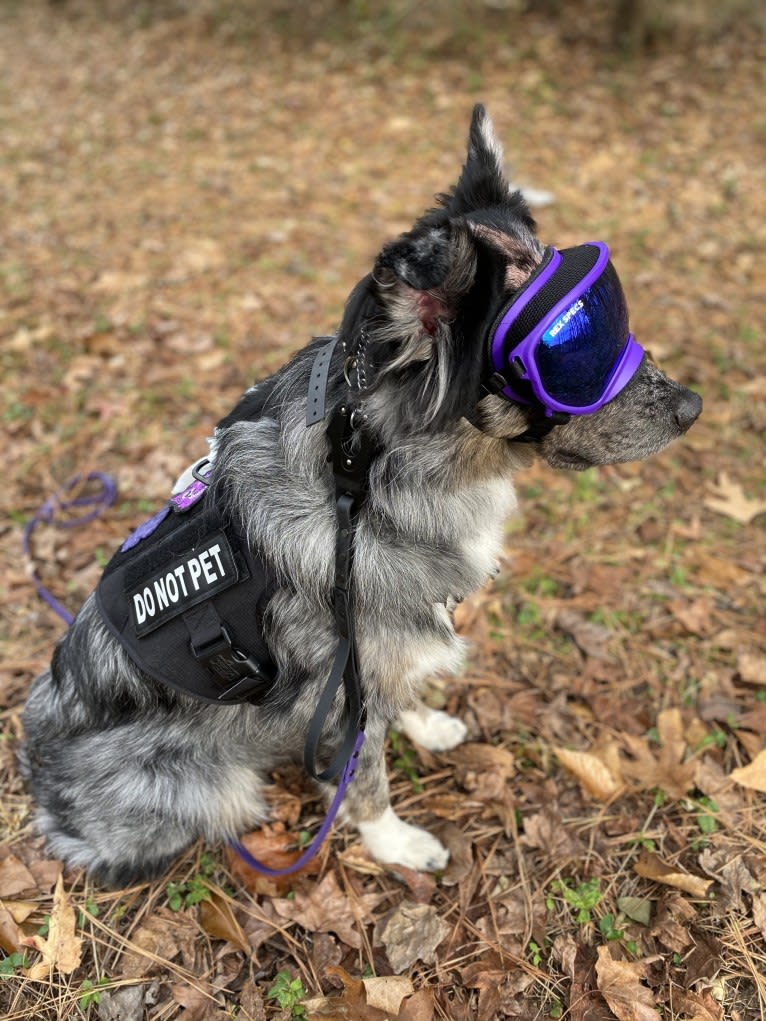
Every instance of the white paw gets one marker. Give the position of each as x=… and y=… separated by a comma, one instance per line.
x=389, y=839
x=432, y=729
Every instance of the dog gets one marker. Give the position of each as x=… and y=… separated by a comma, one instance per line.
x=127, y=770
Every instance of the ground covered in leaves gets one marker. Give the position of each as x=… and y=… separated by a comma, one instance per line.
x=186, y=200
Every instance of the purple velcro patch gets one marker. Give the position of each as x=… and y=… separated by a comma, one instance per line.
x=145, y=529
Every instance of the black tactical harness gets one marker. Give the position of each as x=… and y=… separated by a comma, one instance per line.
x=185, y=601
x=185, y=594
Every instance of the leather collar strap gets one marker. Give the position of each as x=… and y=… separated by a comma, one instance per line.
x=351, y=452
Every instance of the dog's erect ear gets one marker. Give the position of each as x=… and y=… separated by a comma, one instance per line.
x=482, y=182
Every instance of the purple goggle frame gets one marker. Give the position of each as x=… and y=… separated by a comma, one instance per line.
x=565, y=335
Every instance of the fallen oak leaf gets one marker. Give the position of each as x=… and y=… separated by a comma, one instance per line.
x=412, y=932
x=752, y=776
x=619, y=982
x=650, y=866
x=325, y=908
x=728, y=498
x=594, y=775
x=667, y=770
x=62, y=949
x=697, y=1006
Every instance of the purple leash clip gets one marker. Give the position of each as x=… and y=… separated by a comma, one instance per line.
x=348, y=775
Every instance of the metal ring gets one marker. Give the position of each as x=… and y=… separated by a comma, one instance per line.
x=354, y=420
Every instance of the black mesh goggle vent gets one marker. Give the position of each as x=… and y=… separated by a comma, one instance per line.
x=575, y=264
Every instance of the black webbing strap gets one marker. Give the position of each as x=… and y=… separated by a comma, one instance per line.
x=345, y=668
x=351, y=454
x=320, y=371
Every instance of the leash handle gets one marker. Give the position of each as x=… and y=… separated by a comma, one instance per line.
x=47, y=512
x=348, y=775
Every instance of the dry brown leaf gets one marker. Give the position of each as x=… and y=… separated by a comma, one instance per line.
x=46, y=873
x=412, y=933
x=387, y=992
x=15, y=877
x=619, y=982
x=11, y=936
x=20, y=910
x=547, y=832
x=217, y=919
x=591, y=638
x=671, y=926
x=62, y=948
x=652, y=867
x=325, y=908
x=593, y=774
x=696, y=616
x=696, y=1006
x=666, y=770
x=418, y=1007
x=276, y=850
x=751, y=667
x=351, y=1005
x=476, y=757
x=720, y=573
x=196, y=1002
x=752, y=776
x=759, y=912
x=150, y=944
x=728, y=497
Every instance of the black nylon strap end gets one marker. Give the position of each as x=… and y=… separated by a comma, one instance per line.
x=320, y=370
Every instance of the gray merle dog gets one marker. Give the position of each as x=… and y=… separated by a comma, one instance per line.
x=128, y=754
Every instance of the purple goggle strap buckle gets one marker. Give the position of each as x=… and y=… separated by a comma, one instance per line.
x=348, y=775
x=624, y=369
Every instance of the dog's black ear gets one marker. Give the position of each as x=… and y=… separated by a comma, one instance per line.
x=423, y=275
x=421, y=281
x=483, y=183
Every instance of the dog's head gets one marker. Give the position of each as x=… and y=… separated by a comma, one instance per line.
x=432, y=302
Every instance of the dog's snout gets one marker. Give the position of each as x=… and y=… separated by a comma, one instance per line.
x=687, y=409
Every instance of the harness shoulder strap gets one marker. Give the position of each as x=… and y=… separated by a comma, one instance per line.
x=351, y=451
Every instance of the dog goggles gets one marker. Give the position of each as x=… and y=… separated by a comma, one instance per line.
x=563, y=339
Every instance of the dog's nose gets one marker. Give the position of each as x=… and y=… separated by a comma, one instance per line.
x=687, y=409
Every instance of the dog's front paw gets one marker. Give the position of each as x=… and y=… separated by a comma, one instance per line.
x=389, y=839
x=432, y=729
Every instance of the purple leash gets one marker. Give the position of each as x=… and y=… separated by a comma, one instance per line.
x=324, y=829
x=47, y=513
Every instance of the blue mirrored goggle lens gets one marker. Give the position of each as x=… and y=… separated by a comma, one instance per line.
x=577, y=353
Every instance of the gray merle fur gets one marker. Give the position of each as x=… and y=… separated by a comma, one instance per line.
x=127, y=773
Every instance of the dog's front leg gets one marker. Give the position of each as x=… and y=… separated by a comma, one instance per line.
x=368, y=807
